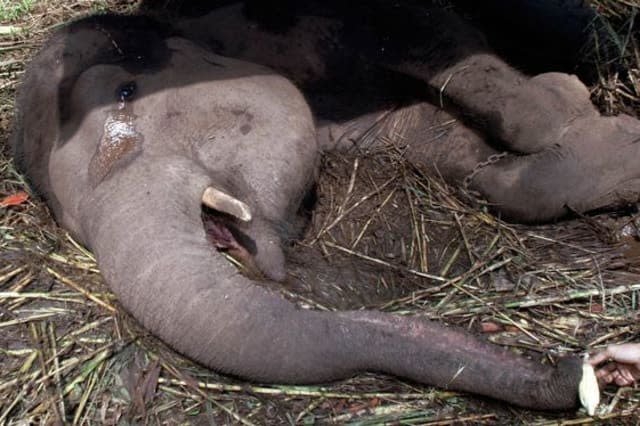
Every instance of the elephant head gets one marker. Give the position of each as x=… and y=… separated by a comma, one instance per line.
x=127, y=132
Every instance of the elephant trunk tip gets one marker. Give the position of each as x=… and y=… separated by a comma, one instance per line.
x=564, y=389
x=586, y=391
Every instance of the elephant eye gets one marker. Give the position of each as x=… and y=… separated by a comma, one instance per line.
x=126, y=91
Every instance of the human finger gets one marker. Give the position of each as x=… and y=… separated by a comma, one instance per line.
x=599, y=357
x=628, y=353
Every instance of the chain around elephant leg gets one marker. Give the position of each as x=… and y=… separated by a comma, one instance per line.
x=492, y=159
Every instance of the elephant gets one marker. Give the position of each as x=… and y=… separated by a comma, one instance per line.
x=161, y=146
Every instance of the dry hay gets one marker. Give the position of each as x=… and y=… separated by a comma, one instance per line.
x=69, y=352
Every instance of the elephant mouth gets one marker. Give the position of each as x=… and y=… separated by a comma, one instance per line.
x=221, y=212
x=224, y=234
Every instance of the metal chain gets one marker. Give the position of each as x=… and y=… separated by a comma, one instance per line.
x=492, y=159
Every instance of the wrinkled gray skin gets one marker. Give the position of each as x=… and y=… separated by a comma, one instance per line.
x=125, y=175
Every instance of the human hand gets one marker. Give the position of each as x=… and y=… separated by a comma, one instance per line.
x=624, y=365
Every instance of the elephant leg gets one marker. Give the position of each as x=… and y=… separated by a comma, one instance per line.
x=431, y=139
x=524, y=114
x=596, y=167
x=574, y=158
x=593, y=167
x=442, y=146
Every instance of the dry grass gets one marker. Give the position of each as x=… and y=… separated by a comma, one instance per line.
x=68, y=354
x=616, y=56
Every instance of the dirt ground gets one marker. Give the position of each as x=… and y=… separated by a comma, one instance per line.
x=70, y=354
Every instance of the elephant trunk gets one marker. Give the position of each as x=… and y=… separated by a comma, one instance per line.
x=152, y=249
x=148, y=236
x=450, y=358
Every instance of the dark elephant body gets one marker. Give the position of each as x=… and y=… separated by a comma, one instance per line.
x=124, y=130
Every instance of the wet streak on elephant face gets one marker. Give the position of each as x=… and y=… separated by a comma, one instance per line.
x=125, y=163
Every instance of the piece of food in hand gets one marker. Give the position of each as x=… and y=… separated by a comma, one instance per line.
x=588, y=389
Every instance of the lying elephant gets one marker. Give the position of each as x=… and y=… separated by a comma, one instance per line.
x=127, y=129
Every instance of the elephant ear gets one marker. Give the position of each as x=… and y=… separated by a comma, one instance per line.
x=31, y=144
x=52, y=73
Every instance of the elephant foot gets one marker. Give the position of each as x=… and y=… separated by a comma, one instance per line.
x=594, y=166
x=539, y=113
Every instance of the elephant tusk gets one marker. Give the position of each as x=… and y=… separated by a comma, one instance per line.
x=225, y=203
